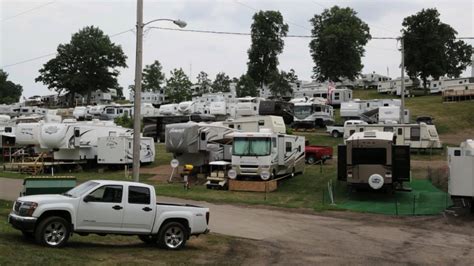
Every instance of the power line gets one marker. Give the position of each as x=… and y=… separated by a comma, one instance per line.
x=27, y=11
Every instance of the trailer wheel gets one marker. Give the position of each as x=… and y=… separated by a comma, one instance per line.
x=311, y=159
x=335, y=134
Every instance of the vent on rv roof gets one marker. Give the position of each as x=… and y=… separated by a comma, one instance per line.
x=370, y=134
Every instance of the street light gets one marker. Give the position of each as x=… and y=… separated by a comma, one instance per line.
x=138, y=85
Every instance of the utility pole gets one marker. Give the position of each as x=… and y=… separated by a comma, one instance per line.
x=138, y=97
x=402, y=93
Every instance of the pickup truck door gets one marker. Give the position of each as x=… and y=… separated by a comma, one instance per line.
x=140, y=210
x=102, y=211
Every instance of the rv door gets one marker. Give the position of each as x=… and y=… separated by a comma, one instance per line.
x=401, y=163
x=77, y=137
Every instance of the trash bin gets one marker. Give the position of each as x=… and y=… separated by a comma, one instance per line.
x=47, y=185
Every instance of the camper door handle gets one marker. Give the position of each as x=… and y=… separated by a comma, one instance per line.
x=147, y=209
x=117, y=207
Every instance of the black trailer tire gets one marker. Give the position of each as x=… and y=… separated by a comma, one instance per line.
x=335, y=134
x=53, y=232
x=173, y=236
x=148, y=239
x=311, y=159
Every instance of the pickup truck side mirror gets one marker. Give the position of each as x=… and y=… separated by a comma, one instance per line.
x=88, y=198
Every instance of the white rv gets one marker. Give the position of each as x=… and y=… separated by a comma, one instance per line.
x=337, y=96
x=438, y=86
x=119, y=150
x=312, y=113
x=461, y=173
x=168, y=109
x=247, y=106
x=418, y=136
x=81, y=112
x=256, y=123
x=113, y=111
x=266, y=155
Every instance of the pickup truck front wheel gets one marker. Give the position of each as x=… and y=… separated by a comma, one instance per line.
x=172, y=235
x=53, y=232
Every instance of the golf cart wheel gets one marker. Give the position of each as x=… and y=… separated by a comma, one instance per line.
x=53, y=232
x=173, y=235
x=311, y=160
x=148, y=239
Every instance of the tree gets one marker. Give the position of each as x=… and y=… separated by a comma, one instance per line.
x=337, y=45
x=267, y=32
x=9, y=91
x=280, y=85
x=221, y=83
x=86, y=64
x=246, y=87
x=178, y=87
x=153, y=78
x=431, y=48
x=204, y=83
x=292, y=77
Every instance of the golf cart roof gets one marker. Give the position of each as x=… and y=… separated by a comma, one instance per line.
x=220, y=163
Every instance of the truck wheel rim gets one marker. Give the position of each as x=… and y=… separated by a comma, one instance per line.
x=54, y=234
x=174, y=236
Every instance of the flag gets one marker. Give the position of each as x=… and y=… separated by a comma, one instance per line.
x=331, y=88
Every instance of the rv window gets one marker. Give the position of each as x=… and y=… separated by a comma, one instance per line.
x=255, y=108
x=203, y=135
x=261, y=123
x=8, y=130
x=400, y=131
x=361, y=129
x=288, y=147
x=369, y=156
x=129, y=145
x=77, y=133
x=415, y=133
x=138, y=195
x=388, y=129
x=336, y=96
x=231, y=125
x=110, y=111
x=457, y=152
x=318, y=109
x=299, y=148
x=238, y=127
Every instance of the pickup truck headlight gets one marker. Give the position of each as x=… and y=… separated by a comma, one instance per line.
x=27, y=208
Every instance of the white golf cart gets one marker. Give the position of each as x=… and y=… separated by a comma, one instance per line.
x=218, y=177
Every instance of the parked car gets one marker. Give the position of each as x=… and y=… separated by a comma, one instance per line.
x=108, y=207
x=338, y=130
x=315, y=153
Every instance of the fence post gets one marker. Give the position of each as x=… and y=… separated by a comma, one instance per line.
x=414, y=202
x=396, y=204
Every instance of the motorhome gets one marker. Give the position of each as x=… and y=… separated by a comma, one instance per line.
x=417, y=136
x=119, y=150
x=277, y=108
x=247, y=106
x=312, y=113
x=265, y=155
x=461, y=174
x=372, y=159
x=256, y=123
x=77, y=141
x=198, y=143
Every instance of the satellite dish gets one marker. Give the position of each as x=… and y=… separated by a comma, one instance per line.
x=174, y=163
x=376, y=181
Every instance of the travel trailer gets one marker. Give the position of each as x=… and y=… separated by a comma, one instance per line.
x=256, y=123
x=417, y=136
x=247, y=106
x=438, y=86
x=461, y=174
x=81, y=112
x=372, y=159
x=168, y=109
x=277, y=108
x=113, y=111
x=119, y=150
x=366, y=110
x=391, y=114
x=77, y=141
x=198, y=143
x=336, y=98
x=312, y=113
x=265, y=155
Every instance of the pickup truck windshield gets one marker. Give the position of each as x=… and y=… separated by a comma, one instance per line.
x=251, y=146
x=81, y=189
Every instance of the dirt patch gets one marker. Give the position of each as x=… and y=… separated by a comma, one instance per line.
x=456, y=138
x=160, y=173
x=426, y=164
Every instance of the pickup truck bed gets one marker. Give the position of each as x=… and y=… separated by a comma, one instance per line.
x=315, y=153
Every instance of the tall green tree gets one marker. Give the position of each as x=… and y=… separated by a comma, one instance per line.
x=153, y=77
x=431, y=48
x=178, y=87
x=221, y=83
x=9, y=91
x=337, y=45
x=87, y=63
x=267, y=32
x=292, y=77
x=246, y=87
x=280, y=85
x=204, y=83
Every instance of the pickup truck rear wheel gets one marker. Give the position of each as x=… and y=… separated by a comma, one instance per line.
x=53, y=232
x=311, y=160
x=148, y=239
x=172, y=235
x=335, y=134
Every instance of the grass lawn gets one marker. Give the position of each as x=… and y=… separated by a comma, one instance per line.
x=112, y=250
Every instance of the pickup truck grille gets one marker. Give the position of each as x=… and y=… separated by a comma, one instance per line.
x=17, y=206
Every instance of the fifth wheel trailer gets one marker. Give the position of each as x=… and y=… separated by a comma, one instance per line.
x=461, y=173
x=119, y=150
x=371, y=159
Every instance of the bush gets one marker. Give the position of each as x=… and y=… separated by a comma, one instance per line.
x=124, y=121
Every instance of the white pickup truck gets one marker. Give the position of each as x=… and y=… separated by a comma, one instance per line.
x=338, y=130
x=107, y=207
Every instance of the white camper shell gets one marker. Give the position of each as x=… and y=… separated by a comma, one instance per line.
x=461, y=172
x=266, y=155
x=119, y=150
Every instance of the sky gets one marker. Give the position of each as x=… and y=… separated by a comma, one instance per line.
x=30, y=32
